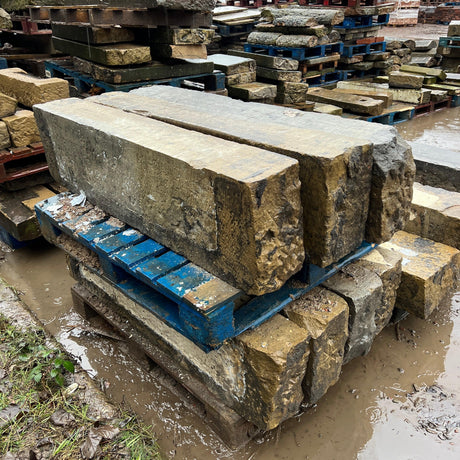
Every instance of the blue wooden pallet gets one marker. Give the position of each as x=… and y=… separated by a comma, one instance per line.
x=455, y=102
x=231, y=31
x=393, y=118
x=449, y=42
x=212, y=81
x=3, y=63
x=328, y=78
x=299, y=54
x=360, y=22
x=199, y=305
x=370, y=48
x=11, y=241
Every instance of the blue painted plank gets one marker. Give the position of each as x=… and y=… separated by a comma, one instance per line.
x=152, y=269
x=119, y=241
x=130, y=257
x=91, y=236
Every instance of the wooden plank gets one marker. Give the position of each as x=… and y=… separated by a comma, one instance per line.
x=138, y=253
x=119, y=241
x=150, y=270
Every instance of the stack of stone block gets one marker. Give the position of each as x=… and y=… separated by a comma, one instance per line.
x=248, y=191
x=451, y=54
x=132, y=52
x=425, y=53
x=17, y=126
x=400, y=50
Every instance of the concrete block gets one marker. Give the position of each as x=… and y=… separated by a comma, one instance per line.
x=324, y=315
x=275, y=357
x=5, y=140
x=233, y=210
x=430, y=271
x=115, y=55
x=29, y=90
x=259, y=375
x=334, y=214
x=362, y=289
x=387, y=265
x=437, y=167
x=22, y=128
x=232, y=65
x=252, y=91
x=435, y=215
x=7, y=105
x=405, y=80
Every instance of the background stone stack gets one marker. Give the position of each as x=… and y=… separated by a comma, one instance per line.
x=425, y=53
x=400, y=50
x=449, y=47
x=118, y=45
x=364, y=49
x=406, y=13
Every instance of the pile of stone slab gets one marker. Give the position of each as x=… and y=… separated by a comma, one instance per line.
x=248, y=191
x=364, y=46
x=23, y=165
x=116, y=44
x=449, y=48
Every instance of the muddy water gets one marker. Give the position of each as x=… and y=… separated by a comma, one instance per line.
x=396, y=403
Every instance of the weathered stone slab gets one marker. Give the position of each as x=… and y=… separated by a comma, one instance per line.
x=393, y=169
x=7, y=105
x=252, y=91
x=181, y=36
x=303, y=17
x=29, y=90
x=22, y=128
x=454, y=29
x=271, y=62
x=324, y=315
x=429, y=272
x=291, y=93
x=424, y=71
x=232, y=65
x=435, y=215
x=327, y=108
x=232, y=372
x=193, y=5
x=279, y=75
x=405, y=80
x=233, y=210
x=152, y=71
x=438, y=95
x=291, y=98
x=240, y=78
x=356, y=104
x=180, y=51
x=5, y=20
x=437, y=167
x=425, y=45
x=335, y=214
x=93, y=35
x=319, y=31
x=115, y=55
x=384, y=96
x=362, y=289
x=263, y=38
x=297, y=41
x=402, y=52
x=5, y=140
x=387, y=265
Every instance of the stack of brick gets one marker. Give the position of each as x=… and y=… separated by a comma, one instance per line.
x=153, y=41
x=364, y=46
x=440, y=14
x=449, y=48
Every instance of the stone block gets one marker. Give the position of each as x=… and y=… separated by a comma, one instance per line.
x=233, y=210
x=437, y=167
x=405, y=80
x=259, y=374
x=384, y=96
x=454, y=29
x=327, y=108
x=5, y=20
x=429, y=272
x=265, y=73
x=181, y=36
x=180, y=51
x=232, y=65
x=324, y=315
x=22, y=128
x=362, y=289
x=387, y=265
x=291, y=98
x=7, y=105
x=271, y=62
x=240, y=78
x=252, y=91
x=335, y=176
x=5, y=140
x=275, y=357
x=29, y=90
x=93, y=35
x=435, y=215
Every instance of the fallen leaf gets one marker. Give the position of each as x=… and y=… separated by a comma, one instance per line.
x=9, y=414
x=62, y=418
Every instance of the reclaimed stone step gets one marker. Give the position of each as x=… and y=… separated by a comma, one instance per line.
x=405, y=80
x=232, y=65
x=335, y=215
x=29, y=90
x=271, y=62
x=252, y=91
x=435, y=215
x=430, y=271
x=384, y=96
x=392, y=172
x=439, y=73
x=233, y=210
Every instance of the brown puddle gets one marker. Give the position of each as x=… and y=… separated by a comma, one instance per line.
x=366, y=415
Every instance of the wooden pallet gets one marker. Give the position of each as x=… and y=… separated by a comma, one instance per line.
x=64, y=69
x=202, y=307
x=299, y=54
x=370, y=48
x=20, y=162
x=125, y=17
x=360, y=22
x=393, y=115
x=430, y=107
x=449, y=42
x=318, y=64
